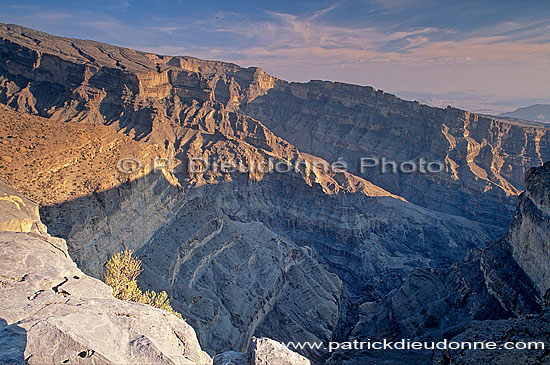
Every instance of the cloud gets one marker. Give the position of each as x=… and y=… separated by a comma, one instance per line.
x=300, y=47
x=300, y=38
x=166, y=29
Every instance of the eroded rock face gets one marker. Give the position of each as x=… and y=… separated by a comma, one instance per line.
x=529, y=233
x=172, y=101
x=51, y=312
x=495, y=294
x=233, y=279
x=436, y=304
x=485, y=158
x=211, y=239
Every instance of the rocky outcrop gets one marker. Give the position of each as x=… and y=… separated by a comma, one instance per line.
x=69, y=162
x=438, y=304
x=51, y=312
x=529, y=233
x=507, y=281
x=495, y=294
x=17, y=213
x=263, y=351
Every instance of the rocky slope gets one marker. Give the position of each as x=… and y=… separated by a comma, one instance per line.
x=495, y=294
x=169, y=100
x=48, y=303
x=485, y=158
x=529, y=233
x=233, y=250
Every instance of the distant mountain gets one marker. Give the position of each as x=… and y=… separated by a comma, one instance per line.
x=535, y=113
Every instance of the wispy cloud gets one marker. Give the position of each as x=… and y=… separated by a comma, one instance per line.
x=299, y=39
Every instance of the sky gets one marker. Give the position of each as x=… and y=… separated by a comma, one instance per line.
x=492, y=50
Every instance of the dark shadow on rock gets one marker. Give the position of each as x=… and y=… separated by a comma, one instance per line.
x=338, y=230
x=336, y=120
x=13, y=341
x=285, y=208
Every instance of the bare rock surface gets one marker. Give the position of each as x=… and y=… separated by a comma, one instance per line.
x=51, y=312
x=262, y=351
x=485, y=158
x=265, y=351
x=529, y=233
x=17, y=213
x=496, y=294
x=173, y=101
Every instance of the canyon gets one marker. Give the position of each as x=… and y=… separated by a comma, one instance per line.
x=304, y=255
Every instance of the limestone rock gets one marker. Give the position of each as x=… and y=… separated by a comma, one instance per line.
x=529, y=233
x=268, y=352
x=169, y=101
x=485, y=158
x=17, y=213
x=495, y=294
x=51, y=312
x=263, y=351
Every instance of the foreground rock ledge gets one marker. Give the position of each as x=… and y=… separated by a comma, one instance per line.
x=52, y=313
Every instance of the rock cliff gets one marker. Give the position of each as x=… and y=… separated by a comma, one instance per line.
x=215, y=240
x=485, y=158
x=529, y=233
x=495, y=294
x=51, y=312
x=169, y=100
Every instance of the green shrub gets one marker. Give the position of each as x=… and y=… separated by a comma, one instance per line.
x=121, y=272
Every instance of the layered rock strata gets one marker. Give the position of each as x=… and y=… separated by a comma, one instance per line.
x=167, y=100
